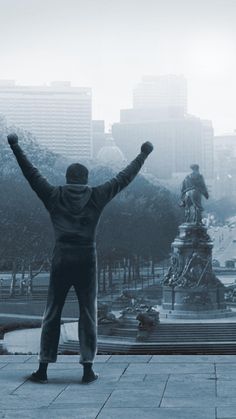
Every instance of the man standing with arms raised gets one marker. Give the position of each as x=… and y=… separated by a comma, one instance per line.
x=74, y=209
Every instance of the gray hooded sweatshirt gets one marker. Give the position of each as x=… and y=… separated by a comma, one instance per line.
x=75, y=209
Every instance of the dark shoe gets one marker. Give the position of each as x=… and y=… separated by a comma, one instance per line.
x=38, y=378
x=89, y=378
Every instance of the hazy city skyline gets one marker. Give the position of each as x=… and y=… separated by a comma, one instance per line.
x=110, y=45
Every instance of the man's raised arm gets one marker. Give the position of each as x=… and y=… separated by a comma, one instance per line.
x=109, y=189
x=37, y=182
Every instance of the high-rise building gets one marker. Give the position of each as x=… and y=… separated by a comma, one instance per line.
x=178, y=143
x=58, y=115
x=179, y=139
x=169, y=91
x=225, y=165
x=98, y=135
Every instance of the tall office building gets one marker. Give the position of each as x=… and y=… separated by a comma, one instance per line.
x=169, y=91
x=178, y=143
x=98, y=135
x=225, y=165
x=179, y=139
x=58, y=115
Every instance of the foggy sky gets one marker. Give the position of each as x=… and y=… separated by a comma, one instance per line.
x=110, y=44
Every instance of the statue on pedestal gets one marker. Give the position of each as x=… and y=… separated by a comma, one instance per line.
x=190, y=285
x=193, y=187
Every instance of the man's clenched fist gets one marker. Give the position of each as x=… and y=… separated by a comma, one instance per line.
x=12, y=139
x=147, y=147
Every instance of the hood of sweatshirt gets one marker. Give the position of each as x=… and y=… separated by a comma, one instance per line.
x=74, y=197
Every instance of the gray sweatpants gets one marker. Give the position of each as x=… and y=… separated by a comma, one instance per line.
x=71, y=266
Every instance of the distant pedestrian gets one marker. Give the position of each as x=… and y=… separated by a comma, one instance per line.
x=74, y=209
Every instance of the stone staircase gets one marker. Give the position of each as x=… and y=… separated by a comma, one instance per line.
x=168, y=338
x=193, y=332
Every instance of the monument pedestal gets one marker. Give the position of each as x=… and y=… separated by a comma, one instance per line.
x=191, y=289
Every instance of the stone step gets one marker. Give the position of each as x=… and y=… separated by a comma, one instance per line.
x=106, y=347
x=193, y=332
x=184, y=332
x=124, y=332
x=192, y=338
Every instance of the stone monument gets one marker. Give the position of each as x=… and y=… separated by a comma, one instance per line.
x=190, y=287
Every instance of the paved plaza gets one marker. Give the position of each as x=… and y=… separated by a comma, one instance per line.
x=139, y=386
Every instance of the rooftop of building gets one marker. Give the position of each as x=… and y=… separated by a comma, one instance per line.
x=226, y=134
x=11, y=85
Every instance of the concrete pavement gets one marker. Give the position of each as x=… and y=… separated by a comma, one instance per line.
x=139, y=386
